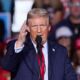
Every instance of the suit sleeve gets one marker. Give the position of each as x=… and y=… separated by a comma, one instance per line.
x=69, y=71
x=11, y=60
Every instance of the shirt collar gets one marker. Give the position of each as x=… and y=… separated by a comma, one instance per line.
x=45, y=45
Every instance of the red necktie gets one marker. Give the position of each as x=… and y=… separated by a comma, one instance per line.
x=41, y=63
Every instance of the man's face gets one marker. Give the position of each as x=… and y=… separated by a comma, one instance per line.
x=46, y=2
x=78, y=53
x=58, y=16
x=39, y=26
x=64, y=41
x=75, y=8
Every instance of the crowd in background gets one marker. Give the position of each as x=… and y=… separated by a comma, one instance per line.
x=65, y=29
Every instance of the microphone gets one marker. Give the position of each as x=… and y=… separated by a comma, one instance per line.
x=39, y=43
x=39, y=46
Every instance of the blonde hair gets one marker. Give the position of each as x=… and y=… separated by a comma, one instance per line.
x=37, y=12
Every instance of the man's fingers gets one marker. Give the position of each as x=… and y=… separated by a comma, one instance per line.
x=23, y=28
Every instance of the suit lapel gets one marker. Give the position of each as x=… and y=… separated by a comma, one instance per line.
x=51, y=58
x=31, y=59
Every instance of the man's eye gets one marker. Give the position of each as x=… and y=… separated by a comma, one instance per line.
x=34, y=26
x=43, y=25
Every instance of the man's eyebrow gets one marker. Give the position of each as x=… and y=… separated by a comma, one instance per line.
x=34, y=25
x=40, y=25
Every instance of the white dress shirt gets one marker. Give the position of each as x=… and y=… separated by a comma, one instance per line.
x=45, y=53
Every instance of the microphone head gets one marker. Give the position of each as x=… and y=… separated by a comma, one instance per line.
x=39, y=44
x=38, y=40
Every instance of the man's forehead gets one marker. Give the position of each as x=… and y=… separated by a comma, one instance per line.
x=38, y=22
x=38, y=18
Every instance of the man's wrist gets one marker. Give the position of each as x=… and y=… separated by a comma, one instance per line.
x=18, y=48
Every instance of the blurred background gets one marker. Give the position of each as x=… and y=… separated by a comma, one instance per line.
x=64, y=20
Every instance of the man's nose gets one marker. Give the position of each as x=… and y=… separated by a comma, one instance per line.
x=39, y=29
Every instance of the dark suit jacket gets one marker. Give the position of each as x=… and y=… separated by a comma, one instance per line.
x=24, y=65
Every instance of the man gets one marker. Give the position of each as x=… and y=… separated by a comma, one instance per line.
x=22, y=57
x=63, y=37
x=73, y=20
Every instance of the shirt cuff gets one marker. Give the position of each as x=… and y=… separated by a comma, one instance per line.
x=19, y=49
